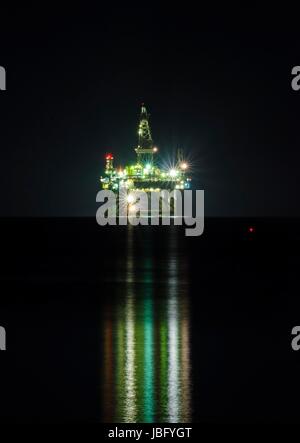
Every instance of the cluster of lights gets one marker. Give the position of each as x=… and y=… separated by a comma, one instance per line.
x=127, y=176
x=145, y=172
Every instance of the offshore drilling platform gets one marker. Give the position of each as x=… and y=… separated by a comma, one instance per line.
x=146, y=174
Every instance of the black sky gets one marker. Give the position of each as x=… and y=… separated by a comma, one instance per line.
x=217, y=83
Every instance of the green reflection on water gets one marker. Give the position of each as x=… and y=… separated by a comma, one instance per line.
x=150, y=378
x=148, y=359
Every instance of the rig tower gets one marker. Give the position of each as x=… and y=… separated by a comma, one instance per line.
x=145, y=148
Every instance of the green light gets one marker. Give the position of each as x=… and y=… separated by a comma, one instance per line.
x=148, y=361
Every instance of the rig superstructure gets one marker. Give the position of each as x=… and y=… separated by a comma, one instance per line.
x=145, y=174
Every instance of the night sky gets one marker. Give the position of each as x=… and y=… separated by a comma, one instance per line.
x=216, y=83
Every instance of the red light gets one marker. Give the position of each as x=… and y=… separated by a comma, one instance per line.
x=109, y=157
x=251, y=229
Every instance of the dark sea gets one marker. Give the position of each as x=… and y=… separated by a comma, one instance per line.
x=146, y=325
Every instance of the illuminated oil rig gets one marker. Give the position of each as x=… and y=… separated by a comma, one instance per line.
x=145, y=174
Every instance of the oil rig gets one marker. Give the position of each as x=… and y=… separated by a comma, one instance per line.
x=146, y=174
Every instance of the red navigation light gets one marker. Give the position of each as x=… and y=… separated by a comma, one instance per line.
x=251, y=229
x=109, y=157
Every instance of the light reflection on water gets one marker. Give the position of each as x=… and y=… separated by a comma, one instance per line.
x=147, y=367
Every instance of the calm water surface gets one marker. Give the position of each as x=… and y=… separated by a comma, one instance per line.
x=146, y=327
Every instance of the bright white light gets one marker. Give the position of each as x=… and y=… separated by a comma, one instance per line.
x=147, y=168
x=130, y=198
x=155, y=149
x=172, y=172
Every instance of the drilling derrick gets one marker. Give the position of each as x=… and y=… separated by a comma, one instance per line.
x=145, y=148
x=145, y=174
